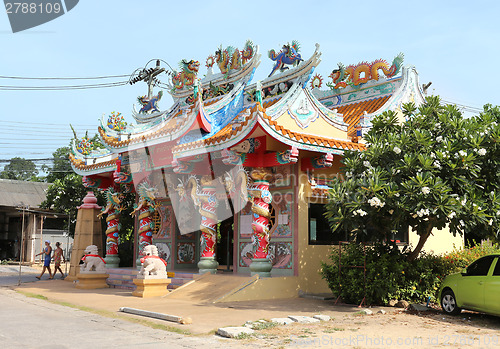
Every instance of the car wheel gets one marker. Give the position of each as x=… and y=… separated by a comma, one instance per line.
x=449, y=303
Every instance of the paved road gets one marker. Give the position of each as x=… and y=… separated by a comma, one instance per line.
x=9, y=275
x=34, y=323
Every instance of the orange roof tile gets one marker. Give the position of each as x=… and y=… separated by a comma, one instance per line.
x=225, y=134
x=352, y=112
x=169, y=127
x=80, y=164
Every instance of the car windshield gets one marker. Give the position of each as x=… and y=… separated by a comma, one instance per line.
x=480, y=267
x=496, y=272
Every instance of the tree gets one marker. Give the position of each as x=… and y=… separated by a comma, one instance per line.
x=436, y=169
x=60, y=165
x=19, y=169
x=66, y=191
x=65, y=195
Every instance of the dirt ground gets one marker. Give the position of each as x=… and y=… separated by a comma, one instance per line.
x=347, y=328
x=395, y=329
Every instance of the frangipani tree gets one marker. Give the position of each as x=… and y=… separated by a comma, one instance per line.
x=436, y=169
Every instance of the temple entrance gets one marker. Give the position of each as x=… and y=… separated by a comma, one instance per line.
x=225, y=243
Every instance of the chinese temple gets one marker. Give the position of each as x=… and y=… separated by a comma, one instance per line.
x=234, y=175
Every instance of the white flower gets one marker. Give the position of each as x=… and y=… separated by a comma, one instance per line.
x=462, y=153
x=464, y=201
x=423, y=212
x=391, y=211
x=366, y=163
x=482, y=151
x=375, y=201
x=426, y=190
x=498, y=213
x=439, y=138
x=396, y=195
x=462, y=223
x=490, y=222
x=437, y=164
x=361, y=212
x=452, y=215
x=397, y=150
x=433, y=155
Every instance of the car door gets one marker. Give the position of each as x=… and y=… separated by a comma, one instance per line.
x=492, y=290
x=471, y=286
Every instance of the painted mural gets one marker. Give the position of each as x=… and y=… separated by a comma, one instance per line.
x=164, y=250
x=166, y=222
x=283, y=205
x=280, y=254
x=185, y=252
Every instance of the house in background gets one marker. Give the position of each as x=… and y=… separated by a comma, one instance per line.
x=21, y=200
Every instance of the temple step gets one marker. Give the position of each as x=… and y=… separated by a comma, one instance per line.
x=123, y=278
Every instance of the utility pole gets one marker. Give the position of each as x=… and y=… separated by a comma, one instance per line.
x=21, y=253
x=148, y=76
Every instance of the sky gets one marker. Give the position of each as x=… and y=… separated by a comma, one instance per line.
x=454, y=44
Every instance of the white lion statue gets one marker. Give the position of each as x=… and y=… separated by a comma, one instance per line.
x=92, y=262
x=153, y=267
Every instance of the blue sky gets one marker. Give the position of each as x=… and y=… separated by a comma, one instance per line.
x=454, y=44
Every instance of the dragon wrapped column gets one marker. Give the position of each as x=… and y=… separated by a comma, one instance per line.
x=113, y=210
x=208, y=211
x=146, y=226
x=259, y=191
x=113, y=228
x=146, y=208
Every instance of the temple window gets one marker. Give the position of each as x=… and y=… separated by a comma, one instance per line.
x=320, y=232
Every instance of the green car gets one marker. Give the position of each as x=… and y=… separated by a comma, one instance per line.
x=478, y=288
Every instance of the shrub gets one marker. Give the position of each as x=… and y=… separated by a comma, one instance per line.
x=389, y=274
x=461, y=258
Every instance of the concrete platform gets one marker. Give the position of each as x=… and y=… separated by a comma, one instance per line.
x=150, y=287
x=206, y=316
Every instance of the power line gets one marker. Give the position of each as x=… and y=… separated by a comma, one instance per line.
x=64, y=78
x=64, y=87
x=43, y=123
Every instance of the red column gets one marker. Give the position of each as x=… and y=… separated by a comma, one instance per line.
x=208, y=211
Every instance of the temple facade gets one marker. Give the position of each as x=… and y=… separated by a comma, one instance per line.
x=234, y=175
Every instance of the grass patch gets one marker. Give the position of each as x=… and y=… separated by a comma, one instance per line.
x=243, y=336
x=333, y=330
x=263, y=325
x=34, y=295
x=110, y=314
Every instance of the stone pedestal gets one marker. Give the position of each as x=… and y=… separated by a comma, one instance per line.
x=88, y=231
x=89, y=281
x=261, y=267
x=112, y=261
x=151, y=287
x=207, y=264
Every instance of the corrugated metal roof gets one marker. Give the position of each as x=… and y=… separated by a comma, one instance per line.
x=20, y=193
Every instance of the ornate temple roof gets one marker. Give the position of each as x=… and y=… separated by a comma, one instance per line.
x=220, y=111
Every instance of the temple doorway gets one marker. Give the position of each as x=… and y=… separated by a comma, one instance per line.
x=225, y=242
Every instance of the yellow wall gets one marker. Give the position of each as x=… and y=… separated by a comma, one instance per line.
x=264, y=288
x=441, y=241
x=310, y=256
